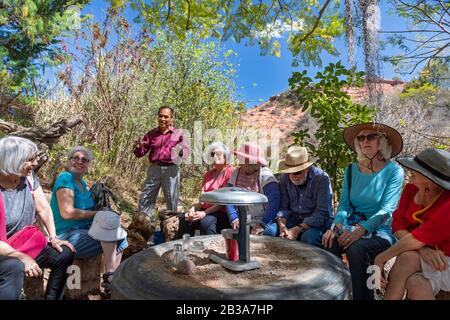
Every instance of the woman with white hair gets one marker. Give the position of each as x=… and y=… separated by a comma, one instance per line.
x=20, y=202
x=370, y=192
x=210, y=219
x=72, y=206
x=422, y=225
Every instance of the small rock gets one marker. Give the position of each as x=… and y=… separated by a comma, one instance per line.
x=186, y=267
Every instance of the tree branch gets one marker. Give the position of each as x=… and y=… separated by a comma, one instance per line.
x=416, y=7
x=316, y=24
x=168, y=10
x=48, y=136
x=189, y=14
x=411, y=31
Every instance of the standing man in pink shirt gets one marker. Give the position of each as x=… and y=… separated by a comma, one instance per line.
x=166, y=144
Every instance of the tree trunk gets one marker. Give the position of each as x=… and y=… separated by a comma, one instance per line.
x=45, y=138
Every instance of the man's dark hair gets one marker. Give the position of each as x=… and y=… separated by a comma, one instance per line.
x=172, y=112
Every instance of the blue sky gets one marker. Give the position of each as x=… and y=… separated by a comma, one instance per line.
x=260, y=77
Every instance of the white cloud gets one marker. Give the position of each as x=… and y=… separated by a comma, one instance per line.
x=278, y=28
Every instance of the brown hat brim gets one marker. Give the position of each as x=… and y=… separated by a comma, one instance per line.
x=284, y=168
x=393, y=136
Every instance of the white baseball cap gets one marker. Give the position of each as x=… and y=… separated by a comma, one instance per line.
x=106, y=227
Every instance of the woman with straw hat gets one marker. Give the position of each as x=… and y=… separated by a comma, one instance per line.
x=422, y=225
x=371, y=189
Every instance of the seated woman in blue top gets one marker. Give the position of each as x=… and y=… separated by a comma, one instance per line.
x=362, y=225
x=252, y=174
x=72, y=206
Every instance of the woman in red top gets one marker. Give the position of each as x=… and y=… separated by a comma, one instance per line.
x=210, y=219
x=422, y=225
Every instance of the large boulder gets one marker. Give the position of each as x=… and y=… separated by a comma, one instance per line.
x=90, y=269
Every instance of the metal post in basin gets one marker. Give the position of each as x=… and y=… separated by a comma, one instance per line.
x=241, y=198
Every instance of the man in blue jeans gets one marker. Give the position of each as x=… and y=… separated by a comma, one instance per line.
x=306, y=199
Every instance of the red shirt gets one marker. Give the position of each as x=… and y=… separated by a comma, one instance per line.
x=161, y=146
x=211, y=183
x=435, y=231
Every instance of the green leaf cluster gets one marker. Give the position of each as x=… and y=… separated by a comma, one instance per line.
x=329, y=103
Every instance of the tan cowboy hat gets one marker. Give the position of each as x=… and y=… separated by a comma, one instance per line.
x=394, y=138
x=296, y=159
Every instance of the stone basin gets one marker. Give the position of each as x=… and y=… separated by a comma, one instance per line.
x=289, y=270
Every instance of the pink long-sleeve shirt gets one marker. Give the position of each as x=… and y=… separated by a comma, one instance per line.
x=163, y=147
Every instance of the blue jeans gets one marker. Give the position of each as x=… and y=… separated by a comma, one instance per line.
x=12, y=273
x=212, y=223
x=85, y=245
x=312, y=236
x=360, y=255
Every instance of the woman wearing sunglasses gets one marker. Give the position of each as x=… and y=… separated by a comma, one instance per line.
x=210, y=219
x=370, y=193
x=72, y=207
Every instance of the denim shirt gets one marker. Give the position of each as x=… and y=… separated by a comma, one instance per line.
x=311, y=202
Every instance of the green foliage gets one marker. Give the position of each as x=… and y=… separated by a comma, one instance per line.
x=436, y=72
x=329, y=103
x=311, y=25
x=29, y=33
x=423, y=93
x=121, y=87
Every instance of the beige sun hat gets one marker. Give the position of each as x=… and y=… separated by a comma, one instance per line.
x=106, y=227
x=393, y=136
x=296, y=159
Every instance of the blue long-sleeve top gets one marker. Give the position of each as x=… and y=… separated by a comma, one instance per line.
x=272, y=192
x=270, y=188
x=374, y=195
x=310, y=203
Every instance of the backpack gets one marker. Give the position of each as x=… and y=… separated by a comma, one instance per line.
x=102, y=197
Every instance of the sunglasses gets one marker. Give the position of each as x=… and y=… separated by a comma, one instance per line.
x=83, y=160
x=369, y=137
x=216, y=153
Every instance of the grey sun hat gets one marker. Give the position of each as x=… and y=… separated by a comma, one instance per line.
x=106, y=227
x=432, y=163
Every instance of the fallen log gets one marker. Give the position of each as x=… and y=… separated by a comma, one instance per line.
x=45, y=138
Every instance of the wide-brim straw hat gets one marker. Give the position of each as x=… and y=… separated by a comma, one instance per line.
x=431, y=163
x=106, y=227
x=393, y=136
x=296, y=159
x=251, y=152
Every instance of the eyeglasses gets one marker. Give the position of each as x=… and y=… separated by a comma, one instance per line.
x=34, y=158
x=369, y=137
x=216, y=153
x=410, y=174
x=77, y=159
x=298, y=172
